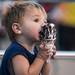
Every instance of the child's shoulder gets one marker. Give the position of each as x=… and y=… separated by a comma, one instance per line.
x=13, y=50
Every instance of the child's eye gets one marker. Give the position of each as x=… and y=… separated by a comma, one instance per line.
x=36, y=20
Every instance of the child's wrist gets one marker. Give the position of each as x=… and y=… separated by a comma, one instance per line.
x=41, y=57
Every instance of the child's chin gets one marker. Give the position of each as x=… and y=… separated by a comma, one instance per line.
x=37, y=39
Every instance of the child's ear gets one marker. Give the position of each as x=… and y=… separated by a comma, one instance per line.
x=16, y=28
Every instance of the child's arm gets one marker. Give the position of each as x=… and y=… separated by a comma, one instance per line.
x=46, y=70
x=22, y=67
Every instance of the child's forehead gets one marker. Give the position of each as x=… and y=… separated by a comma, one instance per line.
x=34, y=11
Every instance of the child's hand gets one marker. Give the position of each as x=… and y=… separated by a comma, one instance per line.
x=43, y=52
x=53, y=52
x=46, y=52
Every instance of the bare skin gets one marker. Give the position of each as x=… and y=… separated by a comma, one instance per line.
x=31, y=25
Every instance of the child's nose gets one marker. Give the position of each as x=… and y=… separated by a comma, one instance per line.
x=44, y=24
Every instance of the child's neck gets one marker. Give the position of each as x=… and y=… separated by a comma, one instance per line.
x=26, y=44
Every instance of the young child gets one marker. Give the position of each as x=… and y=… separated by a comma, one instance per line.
x=23, y=22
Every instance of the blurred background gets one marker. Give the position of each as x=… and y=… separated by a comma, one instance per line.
x=62, y=14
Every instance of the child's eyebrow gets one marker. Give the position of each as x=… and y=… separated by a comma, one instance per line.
x=37, y=16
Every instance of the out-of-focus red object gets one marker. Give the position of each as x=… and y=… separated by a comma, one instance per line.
x=48, y=6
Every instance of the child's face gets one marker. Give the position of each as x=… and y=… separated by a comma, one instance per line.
x=32, y=22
